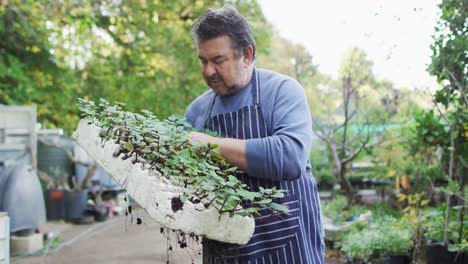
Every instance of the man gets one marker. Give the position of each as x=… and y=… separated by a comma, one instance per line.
x=264, y=121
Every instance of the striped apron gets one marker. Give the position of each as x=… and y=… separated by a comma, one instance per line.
x=293, y=238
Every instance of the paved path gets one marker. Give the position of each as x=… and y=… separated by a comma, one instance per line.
x=111, y=242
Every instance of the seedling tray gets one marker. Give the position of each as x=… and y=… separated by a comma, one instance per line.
x=159, y=197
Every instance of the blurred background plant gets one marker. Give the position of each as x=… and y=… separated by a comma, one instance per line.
x=383, y=236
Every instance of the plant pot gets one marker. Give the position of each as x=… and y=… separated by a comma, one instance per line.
x=437, y=253
x=397, y=259
x=55, y=204
x=367, y=183
x=75, y=205
x=356, y=183
x=460, y=257
x=325, y=185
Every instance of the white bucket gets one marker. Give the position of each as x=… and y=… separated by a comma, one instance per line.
x=4, y=238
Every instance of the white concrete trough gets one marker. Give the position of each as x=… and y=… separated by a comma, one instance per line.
x=154, y=193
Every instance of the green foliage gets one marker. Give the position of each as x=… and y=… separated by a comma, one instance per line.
x=336, y=210
x=385, y=235
x=430, y=130
x=138, y=52
x=291, y=59
x=333, y=208
x=449, y=65
x=322, y=171
x=446, y=131
x=325, y=175
x=414, y=155
x=449, y=58
x=434, y=229
x=357, y=66
x=422, y=165
x=163, y=145
x=382, y=209
x=321, y=168
x=362, y=175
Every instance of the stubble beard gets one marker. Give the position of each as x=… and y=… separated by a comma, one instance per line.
x=220, y=87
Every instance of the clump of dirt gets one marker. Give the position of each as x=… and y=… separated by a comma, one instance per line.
x=176, y=203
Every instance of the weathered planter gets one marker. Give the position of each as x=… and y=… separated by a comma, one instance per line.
x=155, y=194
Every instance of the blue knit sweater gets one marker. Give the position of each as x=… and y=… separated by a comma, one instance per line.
x=283, y=155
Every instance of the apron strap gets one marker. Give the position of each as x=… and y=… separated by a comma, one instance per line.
x=208, y=113
x=256, y=89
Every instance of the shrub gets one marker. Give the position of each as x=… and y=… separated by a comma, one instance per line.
x=386, y=235
x=325, y=175
x=334, y=209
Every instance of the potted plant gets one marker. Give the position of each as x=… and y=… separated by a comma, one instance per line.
x=54, y=194
x=385, y=240
x=72, y=193
x=437, y=251
x=325, y=179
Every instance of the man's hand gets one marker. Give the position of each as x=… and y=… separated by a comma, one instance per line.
x=196, y=137
x=233, y=150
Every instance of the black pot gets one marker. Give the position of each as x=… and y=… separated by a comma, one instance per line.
x=325, y=185
x=367, y=183
x=438, y=253
x=460, y=257
x=356, y=183
x=75, y=205
x=397, y=259
x=55, y=204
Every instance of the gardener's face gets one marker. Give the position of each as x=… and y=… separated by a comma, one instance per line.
x=223, y=71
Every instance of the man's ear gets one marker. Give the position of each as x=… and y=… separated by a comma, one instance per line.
x=248, y=55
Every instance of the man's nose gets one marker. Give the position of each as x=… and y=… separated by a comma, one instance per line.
x=210, y=69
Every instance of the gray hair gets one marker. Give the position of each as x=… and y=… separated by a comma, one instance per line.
x=225, y=21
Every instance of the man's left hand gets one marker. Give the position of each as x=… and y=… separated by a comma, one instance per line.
x=233, y=150
x=197, y=137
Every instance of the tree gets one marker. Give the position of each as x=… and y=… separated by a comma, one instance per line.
x=28, y=72
x=449, y=65
x=294, y=60
x=357, y=66
x=136, y=52
x=291, y=59
x=350, y=129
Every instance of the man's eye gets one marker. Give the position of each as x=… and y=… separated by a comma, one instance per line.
x=219, y=61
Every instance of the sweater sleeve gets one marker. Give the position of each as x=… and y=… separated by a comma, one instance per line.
x=284, y=154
